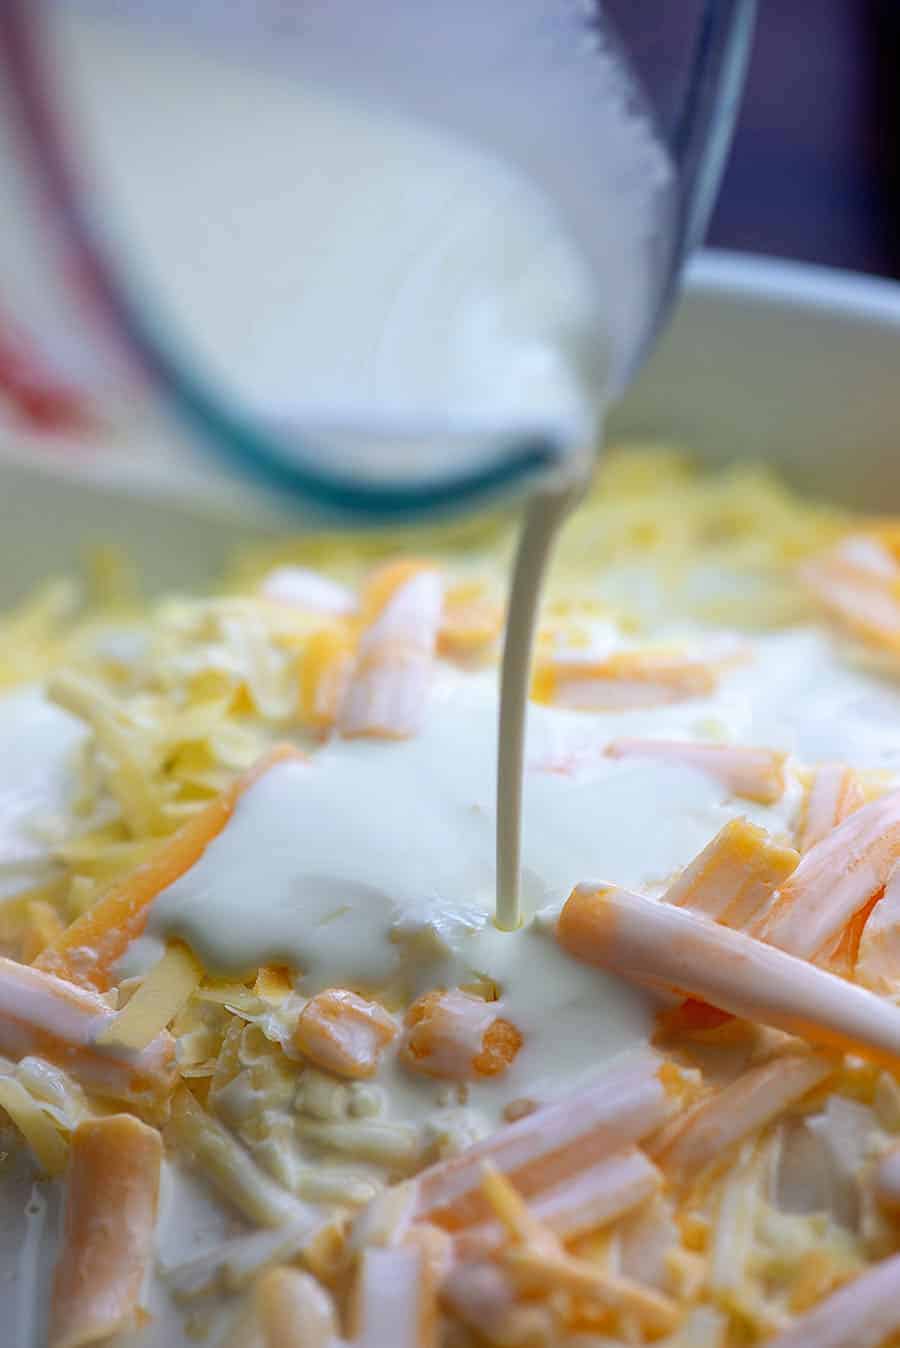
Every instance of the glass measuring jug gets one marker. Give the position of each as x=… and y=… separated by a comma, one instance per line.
x=386, y=259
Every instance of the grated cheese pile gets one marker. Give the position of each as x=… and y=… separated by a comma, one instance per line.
x=736, y=1183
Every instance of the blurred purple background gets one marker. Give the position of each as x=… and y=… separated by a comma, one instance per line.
x=814, y=170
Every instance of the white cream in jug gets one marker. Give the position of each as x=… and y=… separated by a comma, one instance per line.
x=329, y=251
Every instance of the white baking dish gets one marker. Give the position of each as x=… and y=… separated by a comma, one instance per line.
x=797, y=364
x=794, y=363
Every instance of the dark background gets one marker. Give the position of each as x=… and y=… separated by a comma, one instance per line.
x=815, y=167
